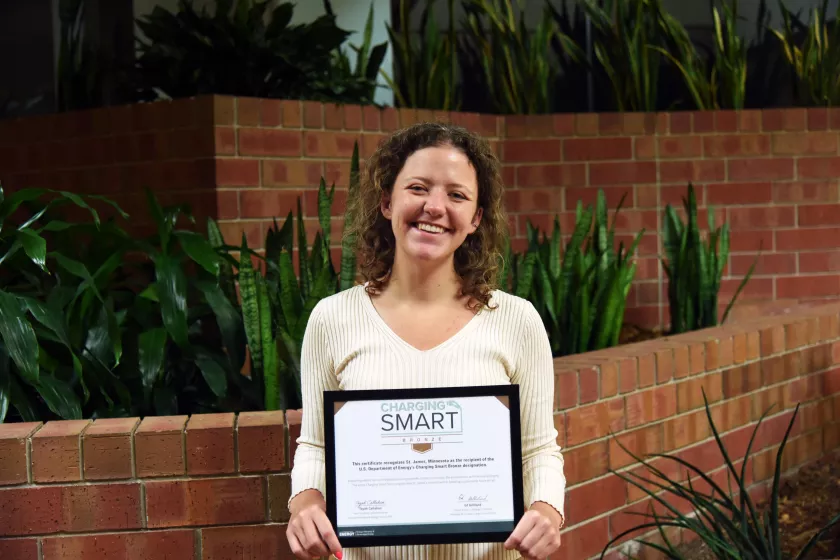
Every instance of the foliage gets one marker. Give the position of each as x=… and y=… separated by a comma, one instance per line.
x=276, y=306
x=694, y=268
x=426, y=68
x=815, y=59
x=516, y=63
x=580, y=292
x=79, y=71
x=248, y=48
x=728, y=523
x=368, y=62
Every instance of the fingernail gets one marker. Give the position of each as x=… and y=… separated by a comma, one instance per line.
x=338, y=555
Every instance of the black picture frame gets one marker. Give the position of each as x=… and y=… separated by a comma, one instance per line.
x=511, y=392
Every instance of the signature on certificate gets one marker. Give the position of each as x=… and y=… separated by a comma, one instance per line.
x=472, y=498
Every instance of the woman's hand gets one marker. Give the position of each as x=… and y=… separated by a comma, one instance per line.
x=309, y=531
x=537, y=535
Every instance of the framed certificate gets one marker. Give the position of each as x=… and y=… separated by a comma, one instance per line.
x=423, y=466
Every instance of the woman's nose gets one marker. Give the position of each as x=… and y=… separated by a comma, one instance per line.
x=435, y=203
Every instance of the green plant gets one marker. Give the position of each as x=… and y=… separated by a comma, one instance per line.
x=517, y=64
x=816, y=61
x=362, y=78
x=248, y=48
x=694, y=268
x=276, y=305
x=426, y=69
x=724, y=85
x=626, y=32
x=580, y=292
x=728, y=523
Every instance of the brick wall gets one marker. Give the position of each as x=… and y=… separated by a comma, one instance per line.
x=771, y=174
x=215, y=487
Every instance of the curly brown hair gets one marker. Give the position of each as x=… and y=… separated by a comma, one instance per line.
x=478, y=259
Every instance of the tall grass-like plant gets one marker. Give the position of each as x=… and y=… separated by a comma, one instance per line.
x=816, y=60
x=581, y=291
x=626, y=34
x=426, y=66
x=728, y=522
x=694, y=268
x=517, y=64
x=720, y=79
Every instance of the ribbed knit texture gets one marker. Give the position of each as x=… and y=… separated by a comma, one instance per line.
x=347, y=346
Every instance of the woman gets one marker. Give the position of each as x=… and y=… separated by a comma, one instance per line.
x=430, y=226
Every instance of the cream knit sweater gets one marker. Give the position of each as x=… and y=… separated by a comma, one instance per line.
x=347, y=346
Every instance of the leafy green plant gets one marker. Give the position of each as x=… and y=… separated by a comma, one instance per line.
x=580, y=292
x=362, y=78
x=724, y=84
x=626, y=34
x=816, y=59
x=276, y=305
x=694, y=268
x=517, y=64
x=426, y=67
x=248, y=48
x=729, y=523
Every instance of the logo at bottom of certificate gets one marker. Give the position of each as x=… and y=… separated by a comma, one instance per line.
x=422, y=423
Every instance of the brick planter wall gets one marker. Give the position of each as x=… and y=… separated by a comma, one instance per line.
x=215, y=487
x=771, y=174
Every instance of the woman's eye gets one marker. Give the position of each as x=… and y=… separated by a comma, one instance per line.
x=459, y=195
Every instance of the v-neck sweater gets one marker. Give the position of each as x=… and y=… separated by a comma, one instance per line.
x=348, y=346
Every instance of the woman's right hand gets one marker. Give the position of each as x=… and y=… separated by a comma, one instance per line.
x=309, y=531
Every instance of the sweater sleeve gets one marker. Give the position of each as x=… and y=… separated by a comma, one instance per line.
x=317, y=376
x=542, y=462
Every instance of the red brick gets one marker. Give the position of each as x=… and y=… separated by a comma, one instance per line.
x=591, y=149
x=741, y=380
x=210, y=444
x=805, y=239
x=213, y=501
x=56, y=451
x=237, y=172
x=370, y=117
x=279, y=492
x=269, y=142
x=699, y=170
x=593, y=421
x=13, y=459
x=353, y=117
x=739, y=193
x=822, y=261
x=516, y=151
x=676, y=147
x=818, y=167
x=261, y=438
x=594, y=498
x=329, y=144
x=159, y=446
x=818, y=215
x=758, y=169
x=805, y=191
x=247, y=111
x=802, y=143
x=565, y=388
x=19, y=549
x=29, y=511
x=814, y=286
x=652, y=405
x=588, y=383
x=255, y=542
x=622, y=173
x=107, y=448
x=690, y=391
x=267, y=203
x=101, y=507
x=767, y=217
x=295, y=173
x=584, y=541
x=736, y=145
x=641, y=443
x=157, y=545
x=784, y=119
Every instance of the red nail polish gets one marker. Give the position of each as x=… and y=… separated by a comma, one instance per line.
x=338, y=555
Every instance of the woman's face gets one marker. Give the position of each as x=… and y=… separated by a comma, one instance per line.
x=433, y=205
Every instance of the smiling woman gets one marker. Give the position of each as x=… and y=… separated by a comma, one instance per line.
x=430, y=227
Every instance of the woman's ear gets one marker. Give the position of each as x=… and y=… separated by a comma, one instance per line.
x=385, y=206
x=477, y=218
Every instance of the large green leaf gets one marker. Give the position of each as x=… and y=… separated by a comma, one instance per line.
x=212, y=370
x=21, y=402
x=19, y=337
x=60, y=397
x=199, y=250
x=34, y=246
x=5, y=384
x=172, y=291
x=151, y=347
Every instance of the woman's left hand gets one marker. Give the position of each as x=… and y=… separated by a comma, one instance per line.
x=537, y=535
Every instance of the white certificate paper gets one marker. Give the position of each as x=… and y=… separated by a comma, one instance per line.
x=425, y=466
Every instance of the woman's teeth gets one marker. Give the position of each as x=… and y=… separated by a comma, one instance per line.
x=430, y=228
